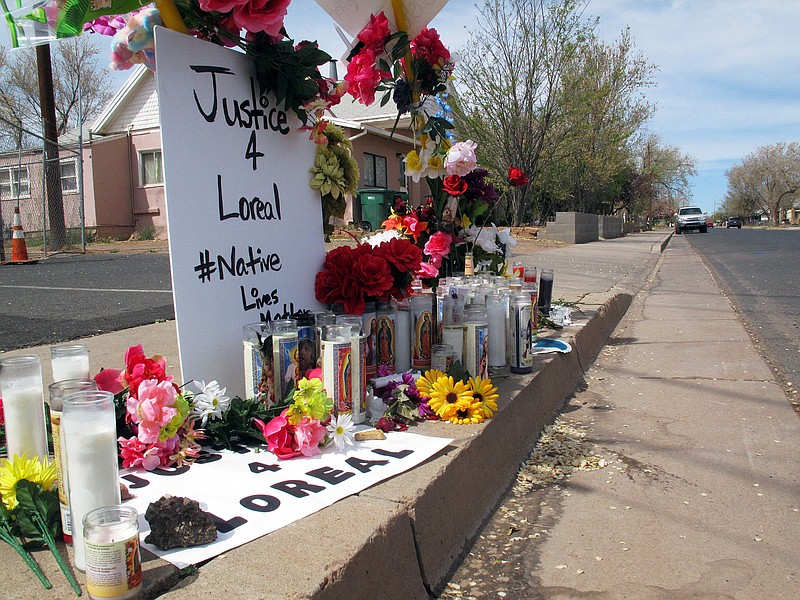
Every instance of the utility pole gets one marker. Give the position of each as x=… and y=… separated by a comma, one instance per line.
x=55, y=201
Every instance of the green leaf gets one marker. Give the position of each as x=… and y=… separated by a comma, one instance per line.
x=34, y=500
x=458, y=372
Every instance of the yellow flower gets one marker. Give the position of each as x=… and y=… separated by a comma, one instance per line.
x=425, y=383
x=414, y=166
x=40, y=472
x=447, y=397
x=468, y=411
x=463, y=221
x=486, y=393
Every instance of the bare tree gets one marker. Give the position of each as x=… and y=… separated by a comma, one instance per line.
x=661, y=177
x=768, y=180
x=77, y=74
x=505, y=97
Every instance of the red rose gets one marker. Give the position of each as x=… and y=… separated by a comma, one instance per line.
x=2, y=415
x=429, y=46
x=375, y=33
x=402, y=254
x=139, y=368
x=454, y=185
x=261, y=15
x=373, y=274
x=362, y=77
x=517, y=177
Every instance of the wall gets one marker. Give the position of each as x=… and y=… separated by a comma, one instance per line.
x=572, y=228
x=609, y=227
x=149, y=203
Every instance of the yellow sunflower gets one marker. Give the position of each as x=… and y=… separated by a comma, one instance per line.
x=35, y=470
x=446, y=396
x=467, y=412
x=425, y=383
x=483, y=390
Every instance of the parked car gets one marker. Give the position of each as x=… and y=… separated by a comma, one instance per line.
x=734, y=222
x=709, y=223
x=690, y=217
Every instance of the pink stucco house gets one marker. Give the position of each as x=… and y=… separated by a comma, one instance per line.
x=124, y=193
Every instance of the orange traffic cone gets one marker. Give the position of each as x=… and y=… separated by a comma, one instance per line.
x=19, y=251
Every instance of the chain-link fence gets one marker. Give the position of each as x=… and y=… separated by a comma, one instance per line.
x=47, y=188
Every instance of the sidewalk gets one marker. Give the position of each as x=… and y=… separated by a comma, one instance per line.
x=399, y=539
x=701, y=496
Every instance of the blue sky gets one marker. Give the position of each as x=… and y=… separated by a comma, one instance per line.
x=727, y=81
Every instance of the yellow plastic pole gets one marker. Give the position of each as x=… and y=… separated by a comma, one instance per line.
x=170, y=15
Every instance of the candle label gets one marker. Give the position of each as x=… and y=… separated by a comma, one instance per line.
x=441, y=361
x=369, y=324
x=63, y=500
x=423, y=338
x=384, y=337
x=476, y=350
x=518, y=270
x=337, y=375
x=286, y=354
x=259, y=373
x=113, y=569
x=534, y=315
x=521, y=356
x=358, y=359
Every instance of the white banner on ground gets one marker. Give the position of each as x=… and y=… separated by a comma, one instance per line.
x=251, y=494
x=245, y=227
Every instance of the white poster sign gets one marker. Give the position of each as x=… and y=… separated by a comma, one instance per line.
x=352, y=15
x=245, y=228
x=251, y=494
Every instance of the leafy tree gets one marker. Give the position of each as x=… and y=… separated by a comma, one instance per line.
x=660, y=180
x=505, y=97
x=76, y=75
x=768, y=179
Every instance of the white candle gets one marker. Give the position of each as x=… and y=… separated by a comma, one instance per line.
x=70, y=362
x=113, y=564
x=26, y=432
x=497, y=310
x=90, y=438
x=23, y=402
x=402, y=338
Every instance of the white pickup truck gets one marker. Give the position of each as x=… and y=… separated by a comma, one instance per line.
x=690, y=217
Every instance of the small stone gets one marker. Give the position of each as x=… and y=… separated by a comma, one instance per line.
x=177, y=522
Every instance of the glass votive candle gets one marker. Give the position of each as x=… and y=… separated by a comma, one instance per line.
x=113, y=559
x=22, y=391
x=58, y=390
x=442, y=357
x=69, y=361
x=89, y=433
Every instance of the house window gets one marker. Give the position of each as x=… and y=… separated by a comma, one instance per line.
x=374, y=170
x=151, y=171
x=14, y=183
x=69, y=176
x=402, y=178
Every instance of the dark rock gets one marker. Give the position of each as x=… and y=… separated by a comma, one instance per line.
x=177, y=522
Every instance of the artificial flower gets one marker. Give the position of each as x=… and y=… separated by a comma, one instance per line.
x=108, y=380
x=328, y=174
x=447, y=397
x=428, y=270
x=153, y=409
x=506, y=239
x=279, y=435
x=383, y=236
x=309, y=434
x=2, y=414
x=438, y=245
x=139, y=368
x=485, y=237
x=484, y=392
x=36, y=470
x=454, y=185
x=136, y=453
x=461, y=158
x=341, y=431
x=415, y=168
x=425, y=383
x=309, y=401
x=210, y=402
x=261, y=15
x=428, y=45
x=467, y=411
x=375, y=33
x=516, y=177
x=362, y=77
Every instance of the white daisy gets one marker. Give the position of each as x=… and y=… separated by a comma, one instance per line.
x=210, y=402
x=341, y=431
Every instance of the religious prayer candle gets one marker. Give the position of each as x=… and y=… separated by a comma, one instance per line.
x=368, y=323
x=545, y=291
x=403, y=336
x=533, y=290
x=322, y=318
x=452, y=325
x=518, y=270
x=113, y=560
x=442, y=357
x=286, y=356
x=422, y=312
x=259, y=371
x=520, y=333
x=337, y=369
x=23, y=405
x=476, y=341
x=89, y=433
x=497, y=311
x=385, y=339
x=58, y=390
x=69, y=361
x=358, y=362
x=529, y=276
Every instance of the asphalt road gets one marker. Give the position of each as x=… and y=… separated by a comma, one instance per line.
x=758, y=270
x=67, y=297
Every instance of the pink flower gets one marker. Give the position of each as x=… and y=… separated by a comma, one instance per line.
x=438, y=245
x=375, y=33
x=309, y=434
x=136, y=453
x=314, y=374
x=428, y=269
x=279, y=435
x=108, y=380
x=362, y=77
x=220, y=6
x=261, y=15
x=153, y=409
x=461, y=158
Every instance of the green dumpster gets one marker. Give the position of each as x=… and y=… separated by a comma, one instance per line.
x=373, y=207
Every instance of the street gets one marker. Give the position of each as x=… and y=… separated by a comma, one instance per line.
x=67, y=297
